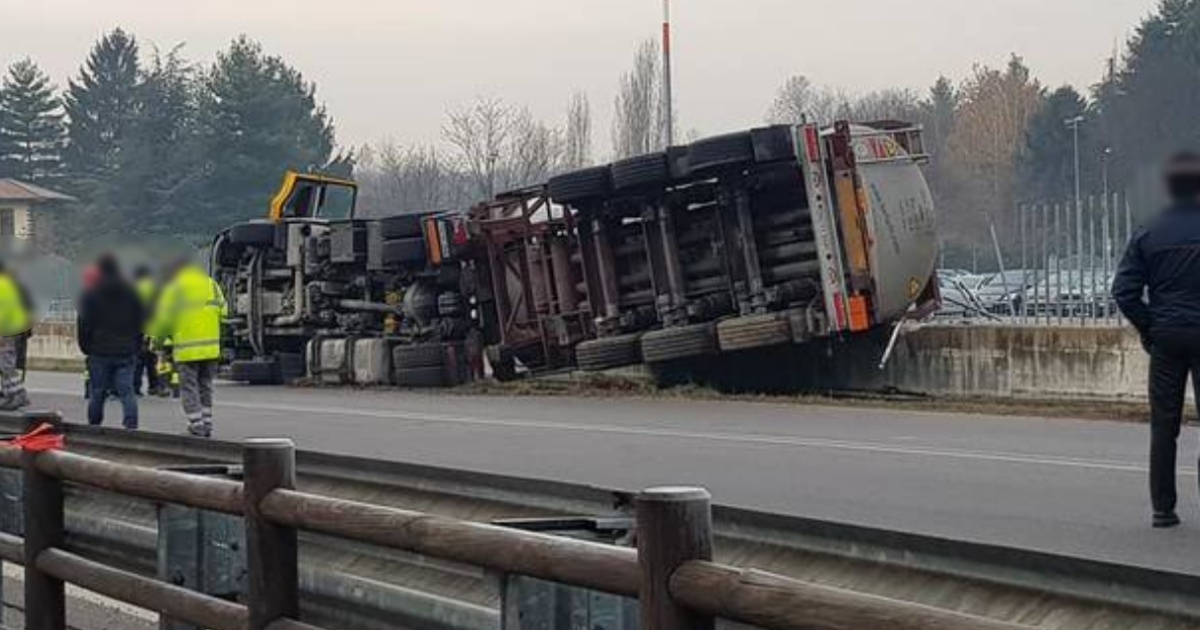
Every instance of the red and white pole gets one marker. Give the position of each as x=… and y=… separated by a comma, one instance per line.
x=668, y=113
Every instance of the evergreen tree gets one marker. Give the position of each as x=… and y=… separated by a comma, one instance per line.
x=31, y=124
x=259, y=117
x=100, y=106
x=1148, y=109
x=1048, y=168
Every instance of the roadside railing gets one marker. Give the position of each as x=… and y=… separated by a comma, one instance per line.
x=670, y=572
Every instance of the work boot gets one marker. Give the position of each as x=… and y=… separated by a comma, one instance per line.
x=1164, y=520
x=199, y=429
x=13, y=403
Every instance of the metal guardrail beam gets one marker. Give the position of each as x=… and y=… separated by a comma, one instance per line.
x=788, y=543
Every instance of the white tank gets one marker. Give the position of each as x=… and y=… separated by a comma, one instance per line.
x=900, y=217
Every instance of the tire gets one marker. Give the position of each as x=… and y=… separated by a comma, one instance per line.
x=661, y=346
x=721, y=152
x=754, y=331
x=402, y=226
x=589, y=183
x=254, y=234
x=421, y=355
x=256, y=372
x=420, y=377
x=404, y=251
x=642, y=171
x=607, y=353
x=773, y=144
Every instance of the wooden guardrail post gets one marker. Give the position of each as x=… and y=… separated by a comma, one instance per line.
x=271, y=550
x=674, y=525
x=45, y=598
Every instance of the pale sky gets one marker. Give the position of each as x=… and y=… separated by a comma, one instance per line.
x=391, y=68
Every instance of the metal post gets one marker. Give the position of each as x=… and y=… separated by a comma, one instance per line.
x=273, y=576
x=1106, y=238
x=45, y=599
x=1022, y=219
x=1091, y=224
x=668, y=101
x=1046, y=261
x=1057, y=296
x=674, y=526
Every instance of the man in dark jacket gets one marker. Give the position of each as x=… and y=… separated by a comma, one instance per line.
x=1157, y=287
x=111, y=318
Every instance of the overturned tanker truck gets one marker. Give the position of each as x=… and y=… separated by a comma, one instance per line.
x=769, y=237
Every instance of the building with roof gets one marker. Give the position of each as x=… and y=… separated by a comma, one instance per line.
x=19, y=203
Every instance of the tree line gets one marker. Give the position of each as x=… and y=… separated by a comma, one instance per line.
x=1000, y=138
x=152, y=143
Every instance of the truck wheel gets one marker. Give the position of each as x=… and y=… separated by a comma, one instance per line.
x=721, y=151
x=754, y=331
x=588, y=183
x=404, y=251
x=684, y=342
x=606, y=353
x=256, y=234
x=256, y=372
x=641, y=171
x=773, y=144
x=402, y=226
x=421, y=355
x=421, y=377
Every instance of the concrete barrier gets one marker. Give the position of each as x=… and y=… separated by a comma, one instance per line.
x=53, y=347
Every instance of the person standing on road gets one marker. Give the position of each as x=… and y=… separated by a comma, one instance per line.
x=1157, y=287
x=16, y=319
x=189, y=312
x=110, y=322
x=147, y=360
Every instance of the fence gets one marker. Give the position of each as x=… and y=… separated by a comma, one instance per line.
x=670, y=572
x=1060, y=268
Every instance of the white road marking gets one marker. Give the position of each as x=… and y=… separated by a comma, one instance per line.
x=736, y=438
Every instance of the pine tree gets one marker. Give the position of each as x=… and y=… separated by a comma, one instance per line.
x=100, y=106
x=259, y=117
x=1048, y=170
x=31, y=124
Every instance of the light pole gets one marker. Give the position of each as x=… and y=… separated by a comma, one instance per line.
x=668, y=115
x=1074, y=123
x=1104, y=156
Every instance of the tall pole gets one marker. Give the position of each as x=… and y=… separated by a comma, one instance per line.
x=668, y=102
x=1074, y=123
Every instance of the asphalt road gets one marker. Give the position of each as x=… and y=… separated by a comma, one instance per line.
x=1064, y=486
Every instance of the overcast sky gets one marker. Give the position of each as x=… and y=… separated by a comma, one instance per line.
x=393, y=67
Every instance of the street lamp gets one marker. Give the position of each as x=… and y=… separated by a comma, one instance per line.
x=1104, y=157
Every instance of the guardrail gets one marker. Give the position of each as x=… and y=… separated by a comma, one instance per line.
x=671, y=572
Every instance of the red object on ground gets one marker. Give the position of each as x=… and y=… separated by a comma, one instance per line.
x=41, y=439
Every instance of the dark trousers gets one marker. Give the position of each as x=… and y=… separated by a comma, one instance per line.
x=111, y=374
x=147, y=365
x=1174, y=355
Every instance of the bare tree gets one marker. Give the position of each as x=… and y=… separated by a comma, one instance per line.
x=480, y=134
x=798, y=100
x=638, y=121
x=394, y=180
x=578, y=149
x=534, y=152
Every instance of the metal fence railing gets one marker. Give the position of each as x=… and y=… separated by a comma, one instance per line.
x=671, y=572
x=1059, y=271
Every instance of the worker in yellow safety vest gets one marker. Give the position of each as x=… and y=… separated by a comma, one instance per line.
x=188, y=313
x=16, y=319
x=147, y=360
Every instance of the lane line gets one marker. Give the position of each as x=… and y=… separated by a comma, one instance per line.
x=418, y=417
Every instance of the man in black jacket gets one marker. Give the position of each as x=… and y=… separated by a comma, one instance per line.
x=111, y=318
x=1157, y=287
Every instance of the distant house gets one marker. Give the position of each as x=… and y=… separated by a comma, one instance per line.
x=18, y=203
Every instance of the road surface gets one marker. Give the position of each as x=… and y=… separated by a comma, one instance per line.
x=1064, y=486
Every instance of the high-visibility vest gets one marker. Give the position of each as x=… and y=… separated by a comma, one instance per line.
x=188, y=314
x=14, y=317
x=146, y=288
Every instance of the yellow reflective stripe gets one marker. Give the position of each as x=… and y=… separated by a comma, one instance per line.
x=197, y=344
